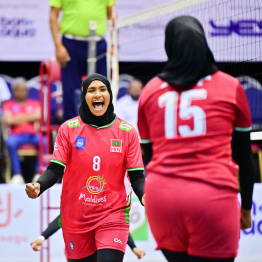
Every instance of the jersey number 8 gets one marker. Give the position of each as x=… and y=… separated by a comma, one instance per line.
x=96, y=163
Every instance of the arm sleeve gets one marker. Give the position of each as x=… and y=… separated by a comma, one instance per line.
x=137, y=181
x=50, y=176
x=242, y=155
x=131, y=242
x=52, y=228
x=134, y=156
x=147, y=152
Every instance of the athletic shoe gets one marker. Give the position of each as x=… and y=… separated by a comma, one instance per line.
x=17, y=180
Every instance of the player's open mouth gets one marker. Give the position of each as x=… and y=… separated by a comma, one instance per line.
x=98, y=105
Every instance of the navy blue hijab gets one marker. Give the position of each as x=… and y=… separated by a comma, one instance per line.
x=189, y=57
x=84, y=111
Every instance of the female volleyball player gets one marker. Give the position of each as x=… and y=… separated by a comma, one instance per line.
x=187, y=117
x=92, y=152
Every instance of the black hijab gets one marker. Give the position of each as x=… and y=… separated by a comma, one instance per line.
x=189, y=57
x=84, y=111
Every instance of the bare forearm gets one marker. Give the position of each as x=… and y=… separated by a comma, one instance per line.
x=54, y=26
x=111, y=12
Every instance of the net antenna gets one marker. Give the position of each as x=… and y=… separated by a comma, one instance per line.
x=137, y=18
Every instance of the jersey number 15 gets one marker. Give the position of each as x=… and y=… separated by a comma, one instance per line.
x=169, y=100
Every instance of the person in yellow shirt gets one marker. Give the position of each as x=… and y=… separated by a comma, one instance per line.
x=71, y=39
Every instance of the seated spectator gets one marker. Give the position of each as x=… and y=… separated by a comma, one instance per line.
x=127, y=106
x=19, y=116
x=5, y=95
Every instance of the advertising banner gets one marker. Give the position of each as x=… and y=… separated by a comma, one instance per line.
x=233, y=30
x=24, y=31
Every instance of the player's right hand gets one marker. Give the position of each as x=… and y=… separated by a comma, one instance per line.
x=37, y=244
x=32, y=190
x=62, y=55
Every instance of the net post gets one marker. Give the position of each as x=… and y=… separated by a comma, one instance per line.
x=91, y=58
x=115, y=65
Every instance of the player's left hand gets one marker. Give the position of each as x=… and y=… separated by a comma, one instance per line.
x=245, y=219
x=138, y=252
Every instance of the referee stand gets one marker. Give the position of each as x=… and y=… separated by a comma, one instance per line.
x=49, y=71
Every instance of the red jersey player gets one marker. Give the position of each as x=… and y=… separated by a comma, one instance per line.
x=96, y=149
x=186, y=117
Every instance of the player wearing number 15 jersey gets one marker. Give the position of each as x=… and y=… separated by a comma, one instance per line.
x=96, y=149
x=186, y=118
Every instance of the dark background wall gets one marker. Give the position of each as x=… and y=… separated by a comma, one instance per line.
x=142, y=70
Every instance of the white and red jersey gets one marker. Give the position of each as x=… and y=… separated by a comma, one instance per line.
x=96, y=160
x=191, y=130
x=26, y=108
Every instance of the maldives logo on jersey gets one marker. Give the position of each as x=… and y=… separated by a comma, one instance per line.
x=95, y=184
x=80, y=142
x=116, y=145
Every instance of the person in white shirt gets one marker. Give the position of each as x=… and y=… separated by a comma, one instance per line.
x=127, y=106
x=5, y=95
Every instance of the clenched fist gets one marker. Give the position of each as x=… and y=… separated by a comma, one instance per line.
x=32, y=190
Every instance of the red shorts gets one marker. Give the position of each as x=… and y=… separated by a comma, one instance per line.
x=109, y=236
x=190, y=216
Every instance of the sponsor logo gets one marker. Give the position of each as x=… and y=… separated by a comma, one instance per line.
x=7, y=212
x=116, y=145
x=72, y=245
x=118, y=241
x=73, y=123
x=92, y=199
x=95, y=185
x=17, y=27
x=124, y=126
x=250, y=27
x=80, y=142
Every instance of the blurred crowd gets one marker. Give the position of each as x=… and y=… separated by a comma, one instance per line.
x=20, y=121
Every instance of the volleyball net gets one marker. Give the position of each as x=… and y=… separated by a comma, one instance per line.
x=234, y=33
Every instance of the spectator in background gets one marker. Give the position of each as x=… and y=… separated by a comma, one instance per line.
x=4, y=95
x=72, y=48
x=127, y=106
x=189, y=118
x=19, y=116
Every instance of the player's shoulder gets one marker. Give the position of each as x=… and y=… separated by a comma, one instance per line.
x=124, y=126
x=151, y=88
x=72, y=123
x=225, y=78
x=154, y=83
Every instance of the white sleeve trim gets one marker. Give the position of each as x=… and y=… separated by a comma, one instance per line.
x=145, y=141
x=243, y=129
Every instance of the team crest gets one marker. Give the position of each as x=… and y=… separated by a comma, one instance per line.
x=80, y=142
x=116, y=145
